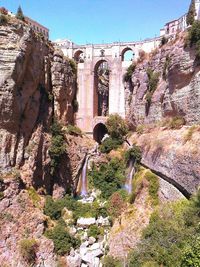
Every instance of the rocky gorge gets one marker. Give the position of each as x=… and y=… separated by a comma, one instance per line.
x=44, y=219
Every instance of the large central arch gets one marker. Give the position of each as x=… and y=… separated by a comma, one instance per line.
x=101, y=88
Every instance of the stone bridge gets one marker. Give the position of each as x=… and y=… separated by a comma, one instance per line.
x=101, y=68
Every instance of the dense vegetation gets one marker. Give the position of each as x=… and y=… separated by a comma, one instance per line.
x=153, y=79
x=57, y=148
x=128, y=75
x=28, y=248
x=194, y=37
x=191, y=13
x=117, y=130
x=108, y=178
x=172, y=237
x=53, y=208
x=62, y=240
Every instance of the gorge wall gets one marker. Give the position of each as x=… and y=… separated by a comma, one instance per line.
x=37, y=84
x=167, y=150
x=177, y=92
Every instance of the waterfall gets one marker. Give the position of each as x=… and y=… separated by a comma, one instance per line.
x=131, y=172
x=83, y=190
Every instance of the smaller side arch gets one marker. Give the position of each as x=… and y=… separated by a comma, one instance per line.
x=127, y=54
x=99, y=131
x=79, y=56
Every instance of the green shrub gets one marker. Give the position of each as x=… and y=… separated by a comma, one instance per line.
x=134, y=153
x=176, y=122
x=34, y=196
x=153, y=186
x=1, y=195
x=191, y=254
x=57, y=148
x=94, y=231
x=62, y=240
x=110, y=144
x=109, y=261
x=191, y=13
x=3, y=19
x=153, y=79
x=190, y=133
x=20, y=14
x=109, y=177
x=194, y=37
x=164, y=40
x=73, y=65
x=128, y=75
x=166, y=67
x=73, y=130
x=28, y=248
x=172, y=236
x=140, y=129
x=116, y=126
x=52, y=208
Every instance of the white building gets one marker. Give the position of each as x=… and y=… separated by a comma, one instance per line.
x=38, y=27
x=173, y=27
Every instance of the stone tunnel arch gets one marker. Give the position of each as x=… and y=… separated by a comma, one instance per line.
x=127, y=54
x=79, y=56
x=101, y=88
x=99, y=131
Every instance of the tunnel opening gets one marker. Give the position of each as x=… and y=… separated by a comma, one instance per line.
x=99, y=131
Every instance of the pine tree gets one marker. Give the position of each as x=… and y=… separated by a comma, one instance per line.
x=191, y=13
x=20, y=14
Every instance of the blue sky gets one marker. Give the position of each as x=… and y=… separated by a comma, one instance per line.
x=97, y=21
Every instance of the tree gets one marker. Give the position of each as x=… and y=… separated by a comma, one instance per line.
x=117, y=127
x=191, y=13
x=20, y=14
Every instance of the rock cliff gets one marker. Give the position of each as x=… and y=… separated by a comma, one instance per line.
x=37, y=83
x=177, y=92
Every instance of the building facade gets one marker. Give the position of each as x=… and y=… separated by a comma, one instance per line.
x=38, y=27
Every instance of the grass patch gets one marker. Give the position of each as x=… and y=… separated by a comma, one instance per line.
x=28, y=248
x=190, y=133
x=34, y=196
x=73, y=130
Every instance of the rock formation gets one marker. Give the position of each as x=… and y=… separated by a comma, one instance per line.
x=36, y=84
x=177, y=92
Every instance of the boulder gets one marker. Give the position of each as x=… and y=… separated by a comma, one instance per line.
x=86, y=222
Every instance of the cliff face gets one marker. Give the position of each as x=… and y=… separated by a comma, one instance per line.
x=173, y=153
x=177, y=92
x=36, y=83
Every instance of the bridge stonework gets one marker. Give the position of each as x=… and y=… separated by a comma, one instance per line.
x=92, y=54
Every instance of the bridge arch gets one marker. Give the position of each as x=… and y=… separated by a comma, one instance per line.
x=79, y=56
x=99, y=131
x=127, y=54
x=101, y=88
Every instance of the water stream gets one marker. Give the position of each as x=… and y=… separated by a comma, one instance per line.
x=84, y=191
x=129, y=179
